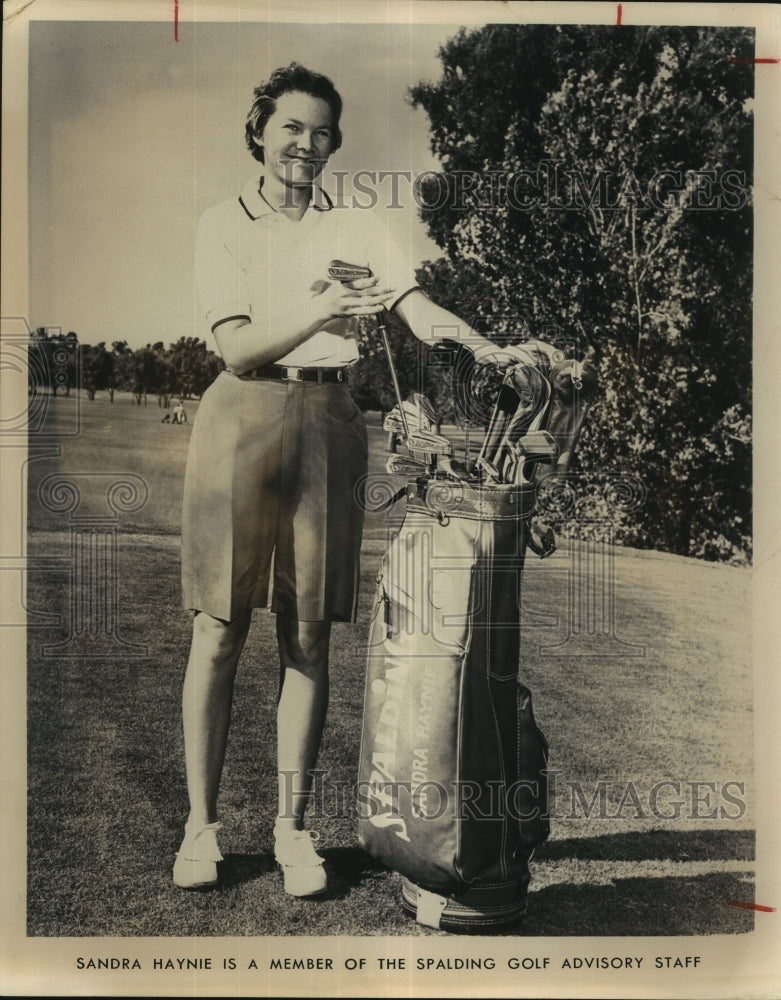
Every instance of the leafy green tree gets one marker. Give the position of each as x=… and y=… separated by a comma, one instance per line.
x=623, y=230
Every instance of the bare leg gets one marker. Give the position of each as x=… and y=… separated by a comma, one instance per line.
x=303, y=651
x=206, y=708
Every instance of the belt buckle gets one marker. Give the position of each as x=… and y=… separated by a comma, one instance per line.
x=294, y=374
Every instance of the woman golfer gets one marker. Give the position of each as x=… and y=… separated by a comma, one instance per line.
x=277, y=450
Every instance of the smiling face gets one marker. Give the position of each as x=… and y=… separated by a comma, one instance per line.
x=297, y=139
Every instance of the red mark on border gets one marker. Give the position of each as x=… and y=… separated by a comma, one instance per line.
x=754, y=61
x=176, y=20
x=751, y=906
x=618, y=17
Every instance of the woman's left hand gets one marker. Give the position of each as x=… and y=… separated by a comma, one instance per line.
x=362, y=297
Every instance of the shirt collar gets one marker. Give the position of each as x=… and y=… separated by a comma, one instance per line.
x=256, y=206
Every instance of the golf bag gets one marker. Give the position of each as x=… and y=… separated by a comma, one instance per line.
x=452, y=788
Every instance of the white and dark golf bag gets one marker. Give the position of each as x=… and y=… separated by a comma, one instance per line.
x=452, y=783
x=452, y=790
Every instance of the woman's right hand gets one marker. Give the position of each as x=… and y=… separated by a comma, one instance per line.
x=362, y=297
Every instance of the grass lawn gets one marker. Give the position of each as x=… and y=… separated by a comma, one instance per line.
x=107, y=798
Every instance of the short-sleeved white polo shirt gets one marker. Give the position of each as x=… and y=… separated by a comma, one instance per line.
x=254, y=262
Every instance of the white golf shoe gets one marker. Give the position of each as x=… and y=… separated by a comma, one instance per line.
x=196, y=862
x=302, y=867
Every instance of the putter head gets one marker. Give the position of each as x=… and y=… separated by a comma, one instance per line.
x=339, y=270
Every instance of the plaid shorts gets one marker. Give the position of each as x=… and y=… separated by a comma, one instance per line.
x=274, y=474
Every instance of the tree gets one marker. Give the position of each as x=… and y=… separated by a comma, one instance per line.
x=123, y=366
x=96, y=365
x=163, y=376
x=193, y=366
x=144, y=373
x=53, y=361
x=601, y=216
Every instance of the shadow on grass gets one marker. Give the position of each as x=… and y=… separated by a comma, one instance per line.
x=600, y=902
x=649, y=845
x=239, y=868
x=580, y=887
x=348, y=868
x=657, y=907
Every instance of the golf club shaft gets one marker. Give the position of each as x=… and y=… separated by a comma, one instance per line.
x=386, y=344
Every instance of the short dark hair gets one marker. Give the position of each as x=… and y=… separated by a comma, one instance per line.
x=282, y=81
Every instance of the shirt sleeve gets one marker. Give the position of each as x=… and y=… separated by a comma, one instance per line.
x=221, y=279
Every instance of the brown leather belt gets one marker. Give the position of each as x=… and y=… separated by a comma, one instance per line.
x=280, y=373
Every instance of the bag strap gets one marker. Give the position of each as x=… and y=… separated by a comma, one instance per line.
x=387, y=504
x=543, y=543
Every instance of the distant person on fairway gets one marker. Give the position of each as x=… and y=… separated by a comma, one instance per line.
x=277, y=452
x=180, y=416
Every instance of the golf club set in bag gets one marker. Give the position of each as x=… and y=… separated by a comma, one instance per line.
x=452, y=783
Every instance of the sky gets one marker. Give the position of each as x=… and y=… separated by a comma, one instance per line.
x=132, y=136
